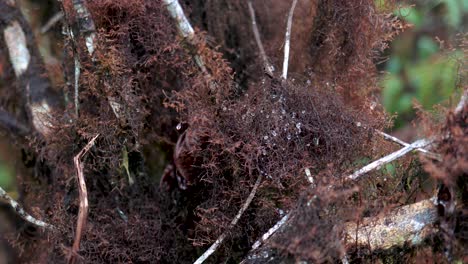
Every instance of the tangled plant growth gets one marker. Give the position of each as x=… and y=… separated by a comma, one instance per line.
x=194, y=144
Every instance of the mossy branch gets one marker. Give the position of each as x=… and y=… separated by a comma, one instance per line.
x=21, y=212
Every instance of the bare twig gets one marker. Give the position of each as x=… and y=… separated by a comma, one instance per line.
x=234, y=221
x=463, y=101
x=51, y=22
x=85, y=24
x=389, y=158
x=83, y=210
x=84, y=27
x=287, y=41
x=185, y=28
x=404, y=144
x=177, y=13
x=21, y=212
x=77, y=83
x=270, y=231
x=268, y=67
x=77, y=71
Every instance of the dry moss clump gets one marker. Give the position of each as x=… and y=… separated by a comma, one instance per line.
x=275, y=130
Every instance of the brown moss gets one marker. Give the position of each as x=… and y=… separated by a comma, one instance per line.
x=232, y=129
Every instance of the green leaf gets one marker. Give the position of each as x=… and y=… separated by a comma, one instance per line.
x=394, y=65
x=390, y=169
x=454, y=14
x=426, y=47
x=392, y=89
x=6, y=177
x=410, y=15
x=405, y=104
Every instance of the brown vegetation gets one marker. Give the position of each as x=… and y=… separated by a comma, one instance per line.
x=180, y=149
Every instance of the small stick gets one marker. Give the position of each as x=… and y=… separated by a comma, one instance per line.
x=87, y=30
x=463, y=100
x=389, y=158
x=270, y=231
x=185, y=28
x=83, y=210
x=177, y=13
x=77, y=75
x=51, y=22
x=21, y=212
x=287, y=41
x=268, y=67
x=404, y=144
x=234, y=221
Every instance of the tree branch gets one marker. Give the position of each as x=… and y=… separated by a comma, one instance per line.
x=389, y=158
x=401, y=142
x=234, y=221
x=83, y=210
x=185, y=29
x=407, y=225
x=21, y=212
x=287, y=41
x=268, y=67
x=463, y=101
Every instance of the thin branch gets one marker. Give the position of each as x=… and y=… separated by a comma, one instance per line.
x=83, y=210
x=84, y=27
x=463, y=102
x=389, y=158
x=268, y=67
x=51, y=22
x=77, y=83
x=185, y=28
x=177, y=13
x=77, y=71
x=404, y=144
x=270, y=231
x=287, y=41
x=234, y=221
x=21, y=212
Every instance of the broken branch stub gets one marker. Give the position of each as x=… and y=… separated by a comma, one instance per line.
x=409, y=225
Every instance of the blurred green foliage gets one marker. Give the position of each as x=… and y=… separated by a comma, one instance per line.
x=419, y=68
x=6, y=177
